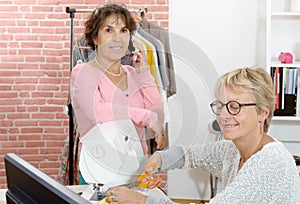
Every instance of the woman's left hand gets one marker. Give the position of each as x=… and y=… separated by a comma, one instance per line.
x=159, y=137
x=160, y=140
x=124, y=195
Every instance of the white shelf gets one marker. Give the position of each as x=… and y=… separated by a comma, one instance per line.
x=286, y=118
x=279, y=64
x=285, y=14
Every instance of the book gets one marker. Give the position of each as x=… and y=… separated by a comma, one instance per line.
x=277, y=87
x=284, y=72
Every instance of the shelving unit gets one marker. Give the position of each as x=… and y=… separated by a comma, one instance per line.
x=283, y=35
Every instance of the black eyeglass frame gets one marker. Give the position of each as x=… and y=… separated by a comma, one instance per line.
x=226, y=104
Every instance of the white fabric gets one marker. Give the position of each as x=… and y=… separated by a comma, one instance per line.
x=111, y=154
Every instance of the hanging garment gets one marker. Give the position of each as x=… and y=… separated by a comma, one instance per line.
x=160, y=52
x=163, y=36
x=155, y=71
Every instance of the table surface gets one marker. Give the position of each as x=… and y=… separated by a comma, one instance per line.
x=81, y=188
x=2, y=196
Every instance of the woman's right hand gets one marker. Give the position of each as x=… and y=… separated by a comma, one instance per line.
x=156, y=159
x=151, y=167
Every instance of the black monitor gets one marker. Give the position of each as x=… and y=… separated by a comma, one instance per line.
x=28, y=185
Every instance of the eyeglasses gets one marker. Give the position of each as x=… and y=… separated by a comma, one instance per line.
x=233, y=107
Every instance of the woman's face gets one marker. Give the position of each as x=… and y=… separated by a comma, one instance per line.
x=245, y=123
x=112, y=39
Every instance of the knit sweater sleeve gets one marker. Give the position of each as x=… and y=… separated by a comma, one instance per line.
x=188, y=157
x=210, y=157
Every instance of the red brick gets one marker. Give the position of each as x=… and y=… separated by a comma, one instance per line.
x=51, y=136
x=10, y=101
x=17, y=115
x=15, y=144
x=51, y=109
x=31, y=15
x=5, y=123
x=24, y=80
x=23, y=87
x=34, y=144
x=42, y=95
x=29, y=137
x=51, y=150
x=51, y=165
x=48, y=88
x=42, y=116
x=54, y=130
x=4, y=151
x=33, y=73
x=31, y=52
x=55, y=144
x=13, y=130
x=4, y=37
x=8, y=94
x=20, y=123
x=32, y=151
x=33, y=158
x=31, y=130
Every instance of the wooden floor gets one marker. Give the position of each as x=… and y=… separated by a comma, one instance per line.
x=186, y=201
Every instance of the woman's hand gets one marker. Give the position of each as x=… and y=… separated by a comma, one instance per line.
x=160, y=138
x=124, y=195
x=139, y=58
x=156, y=159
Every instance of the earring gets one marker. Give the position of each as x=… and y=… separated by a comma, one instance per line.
x=96, y=48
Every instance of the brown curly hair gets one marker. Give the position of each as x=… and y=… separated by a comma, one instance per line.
x=98, y=17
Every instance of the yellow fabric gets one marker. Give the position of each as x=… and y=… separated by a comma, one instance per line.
x=104, y=201
x=151, y=59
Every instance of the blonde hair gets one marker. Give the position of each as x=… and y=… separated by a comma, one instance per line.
x=255, y=80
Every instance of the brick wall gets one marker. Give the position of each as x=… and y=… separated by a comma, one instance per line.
x=34, y=75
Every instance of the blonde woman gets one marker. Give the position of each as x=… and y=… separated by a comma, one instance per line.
x=254, y=166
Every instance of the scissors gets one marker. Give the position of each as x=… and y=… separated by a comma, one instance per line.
x=139, y=181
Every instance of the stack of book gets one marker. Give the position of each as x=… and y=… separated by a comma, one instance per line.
x=285, y=87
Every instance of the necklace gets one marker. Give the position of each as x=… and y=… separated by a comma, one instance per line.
x=105, y=70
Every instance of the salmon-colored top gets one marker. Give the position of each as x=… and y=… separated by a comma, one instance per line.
x=95, y=99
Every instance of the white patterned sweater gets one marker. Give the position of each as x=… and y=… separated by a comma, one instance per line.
x=269, y=176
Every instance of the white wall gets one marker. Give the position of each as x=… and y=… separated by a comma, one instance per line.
x=207, y=38
x=230, y=32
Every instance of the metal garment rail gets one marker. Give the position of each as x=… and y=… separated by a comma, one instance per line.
x=70, y=109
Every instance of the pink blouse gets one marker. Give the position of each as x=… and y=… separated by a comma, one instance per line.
x=95, y=99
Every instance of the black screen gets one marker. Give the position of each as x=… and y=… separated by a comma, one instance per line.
x=27, y=184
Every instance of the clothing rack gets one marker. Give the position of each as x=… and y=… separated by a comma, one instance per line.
x=72, y=12
x=70, y=109
x=142, y=11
